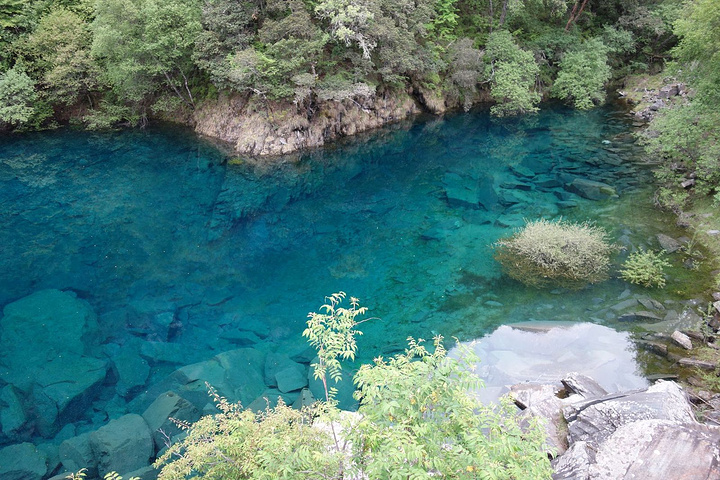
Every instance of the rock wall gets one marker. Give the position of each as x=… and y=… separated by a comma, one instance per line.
x=257, y=127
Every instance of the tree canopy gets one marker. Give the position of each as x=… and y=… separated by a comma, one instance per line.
x=141, y=56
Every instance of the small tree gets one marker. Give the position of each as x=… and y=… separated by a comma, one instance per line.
x=545, y=253
x=421, y=419
x=645, y=268
x=17, y=97
x=512, y=72
x=583, y=74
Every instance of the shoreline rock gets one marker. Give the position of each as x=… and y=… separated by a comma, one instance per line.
x=650, y=433
x=265, y=128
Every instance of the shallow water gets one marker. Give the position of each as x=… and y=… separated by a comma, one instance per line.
x=171, y=244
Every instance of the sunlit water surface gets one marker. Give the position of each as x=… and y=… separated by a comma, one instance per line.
x=171, y=244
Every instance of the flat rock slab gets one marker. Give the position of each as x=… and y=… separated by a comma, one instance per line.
x=596, y=419
x=682, y=340
x=583, y=385
x=590, y=189
x=659, y=450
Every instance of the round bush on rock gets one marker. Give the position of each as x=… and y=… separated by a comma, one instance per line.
x=556, y=253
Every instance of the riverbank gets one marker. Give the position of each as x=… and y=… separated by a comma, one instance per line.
x=698, y=365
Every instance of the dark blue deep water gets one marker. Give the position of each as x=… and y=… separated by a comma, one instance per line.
x=183, y=253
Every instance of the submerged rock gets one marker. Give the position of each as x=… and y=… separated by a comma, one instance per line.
x=668, y=243
x=57, y=378
x=591, y=189
x=123, y=445
x=22, y=461
x=158, y=417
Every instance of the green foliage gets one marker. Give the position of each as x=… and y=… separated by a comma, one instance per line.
x=279, y=443
x=546, y=253
x=699, y=45
x=446, y=19
x=332, y=334
x=512, y=73
x=146, y=45
x=227, y=26
x=687, y=136
x=688, y=139
x=17, y=97
x=466, y=69
x=59, y=53
x=9, y=12
x=349, y=22
x=82, y=474
x=421, y=419
x=645, y=268
x=583, y=74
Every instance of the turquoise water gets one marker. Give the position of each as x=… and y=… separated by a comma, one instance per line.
x=178, y=251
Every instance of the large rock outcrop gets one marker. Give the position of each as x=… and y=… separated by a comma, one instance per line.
x=650, y=433
x=276, y=128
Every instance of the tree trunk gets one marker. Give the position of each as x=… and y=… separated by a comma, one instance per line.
x=574, y=16
x=492, y=16
x=504, y=12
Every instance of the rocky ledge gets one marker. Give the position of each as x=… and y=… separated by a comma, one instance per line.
x=650, y=433
x=259, y=127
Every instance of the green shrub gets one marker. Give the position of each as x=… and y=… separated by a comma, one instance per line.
x=278, y=443
x=645, y=268
x=419, y=418
x=546, y=253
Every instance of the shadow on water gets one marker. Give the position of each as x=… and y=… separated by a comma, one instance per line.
x=183, y=255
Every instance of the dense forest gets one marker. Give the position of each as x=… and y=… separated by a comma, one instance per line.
x=108, y=61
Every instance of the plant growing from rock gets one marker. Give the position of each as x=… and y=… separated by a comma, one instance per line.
x=645, y=268
x=545, y=253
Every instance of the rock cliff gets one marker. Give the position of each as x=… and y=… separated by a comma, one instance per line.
x=258, y=127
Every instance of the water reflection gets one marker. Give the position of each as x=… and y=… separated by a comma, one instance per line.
x=538, y=352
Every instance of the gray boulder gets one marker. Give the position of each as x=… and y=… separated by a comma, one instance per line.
x=596, y=419
x=54, y=322
x=244, y=373
x=291, y=378
x=123, y=445
x=47, y=343
x=583, y=385
x=12, y=415
x=682, y=340
x=284, y=373
x=132, y=371
x=575, y=463
x=659, y=450
x=461, y=191
x=22, y=461
x=64, y=389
